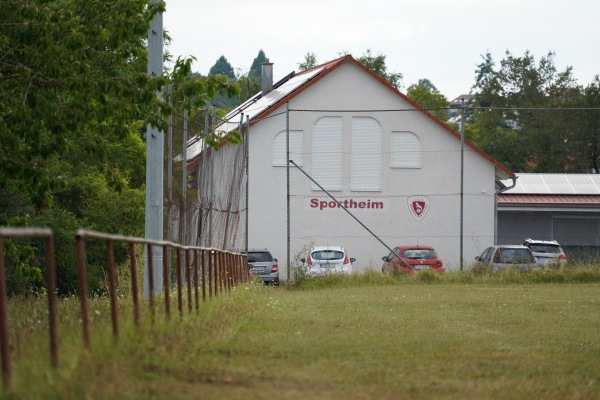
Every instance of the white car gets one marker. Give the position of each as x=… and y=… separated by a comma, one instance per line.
x=507, y=256
x=324, y=260
x=546, y=252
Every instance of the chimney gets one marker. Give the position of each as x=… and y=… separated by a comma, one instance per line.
x=267, y=76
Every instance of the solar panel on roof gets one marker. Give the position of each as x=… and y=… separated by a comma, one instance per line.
x=577, y=184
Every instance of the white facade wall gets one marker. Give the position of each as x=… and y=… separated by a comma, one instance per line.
x=438, y=178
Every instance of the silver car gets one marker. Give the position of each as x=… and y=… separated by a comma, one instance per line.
x=546, y=252
x=503, y=257
x=262, y=264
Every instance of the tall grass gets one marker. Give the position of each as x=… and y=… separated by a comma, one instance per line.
x=580, y=273
x=461, y=335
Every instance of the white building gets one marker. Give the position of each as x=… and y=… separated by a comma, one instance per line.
x=395, y=167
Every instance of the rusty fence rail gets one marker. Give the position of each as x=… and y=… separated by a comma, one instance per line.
x=205, y=272
x=48, y=236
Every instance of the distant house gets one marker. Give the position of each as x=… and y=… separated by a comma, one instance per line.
x=357, y=142
x=562, y=207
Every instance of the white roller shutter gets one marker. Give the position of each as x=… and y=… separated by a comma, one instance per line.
x=405, y=150
x=327, y=153
x=296, y=144
x=366, y=154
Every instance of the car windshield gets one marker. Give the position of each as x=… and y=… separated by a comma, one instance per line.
x=514, y=256
x=325, y=255
x=419, y=254
x=545, y=248
x=262, y=256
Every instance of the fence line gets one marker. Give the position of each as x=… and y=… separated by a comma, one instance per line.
x=225, y=270
x=48, y=237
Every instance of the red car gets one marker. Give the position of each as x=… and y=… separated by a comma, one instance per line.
x=409, y=259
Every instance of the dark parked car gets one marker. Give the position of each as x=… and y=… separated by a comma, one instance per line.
x=262, y=264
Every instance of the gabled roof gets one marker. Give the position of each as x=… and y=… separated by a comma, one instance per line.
x=260, y=106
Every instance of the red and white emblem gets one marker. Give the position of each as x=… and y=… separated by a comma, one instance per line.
x=419, y=206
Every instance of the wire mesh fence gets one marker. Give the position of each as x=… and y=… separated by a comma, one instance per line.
x=205, y=194
x=370, y=180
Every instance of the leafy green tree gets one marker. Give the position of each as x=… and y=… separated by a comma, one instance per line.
x=584, y=129
x=256, y=67
x=310, y=61
x=222, y=67
x=75, y=98
x=223, y=100
x=517, y=86
x=72, y=73
x=377, y=65
x=427, y=96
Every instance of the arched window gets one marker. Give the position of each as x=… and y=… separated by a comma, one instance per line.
x=296, y=145
x=366, y=154
x=405, y=150
x=327, y=153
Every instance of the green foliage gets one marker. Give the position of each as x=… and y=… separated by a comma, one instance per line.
x=64, y=225
x=377, y=65
x=73, y=74
x=191, y=92
x=222, y=67
x=256, y=67
x=22, y=270
x=427, y=96
x=575, y=273
x=587, y=139
x=310, y=61
x=529, y=140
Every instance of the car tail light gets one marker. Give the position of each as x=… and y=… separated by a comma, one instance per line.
x=562, y=256
x=346, y=260
x=309, y=261
x=497, y=257
x=275, y=268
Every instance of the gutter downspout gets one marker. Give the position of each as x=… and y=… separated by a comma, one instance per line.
x=501, y=190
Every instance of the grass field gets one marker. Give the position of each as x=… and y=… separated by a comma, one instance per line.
x=461, y=336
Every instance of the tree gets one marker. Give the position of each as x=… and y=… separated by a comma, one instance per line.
x=256, y=67
x=585, y=129
x=310, y=61
x=427, y=96
x=73, y=76
x=222, y=67
x=377, y=65
x=519, y=85
x=75, y=98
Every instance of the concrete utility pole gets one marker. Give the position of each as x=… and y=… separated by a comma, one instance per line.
x=154, y=167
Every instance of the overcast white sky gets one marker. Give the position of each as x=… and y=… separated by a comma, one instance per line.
x=440, y=40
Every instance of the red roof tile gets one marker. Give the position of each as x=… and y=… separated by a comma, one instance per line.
x=551, y=199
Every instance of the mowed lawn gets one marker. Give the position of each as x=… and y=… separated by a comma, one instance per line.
x=347, y=341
